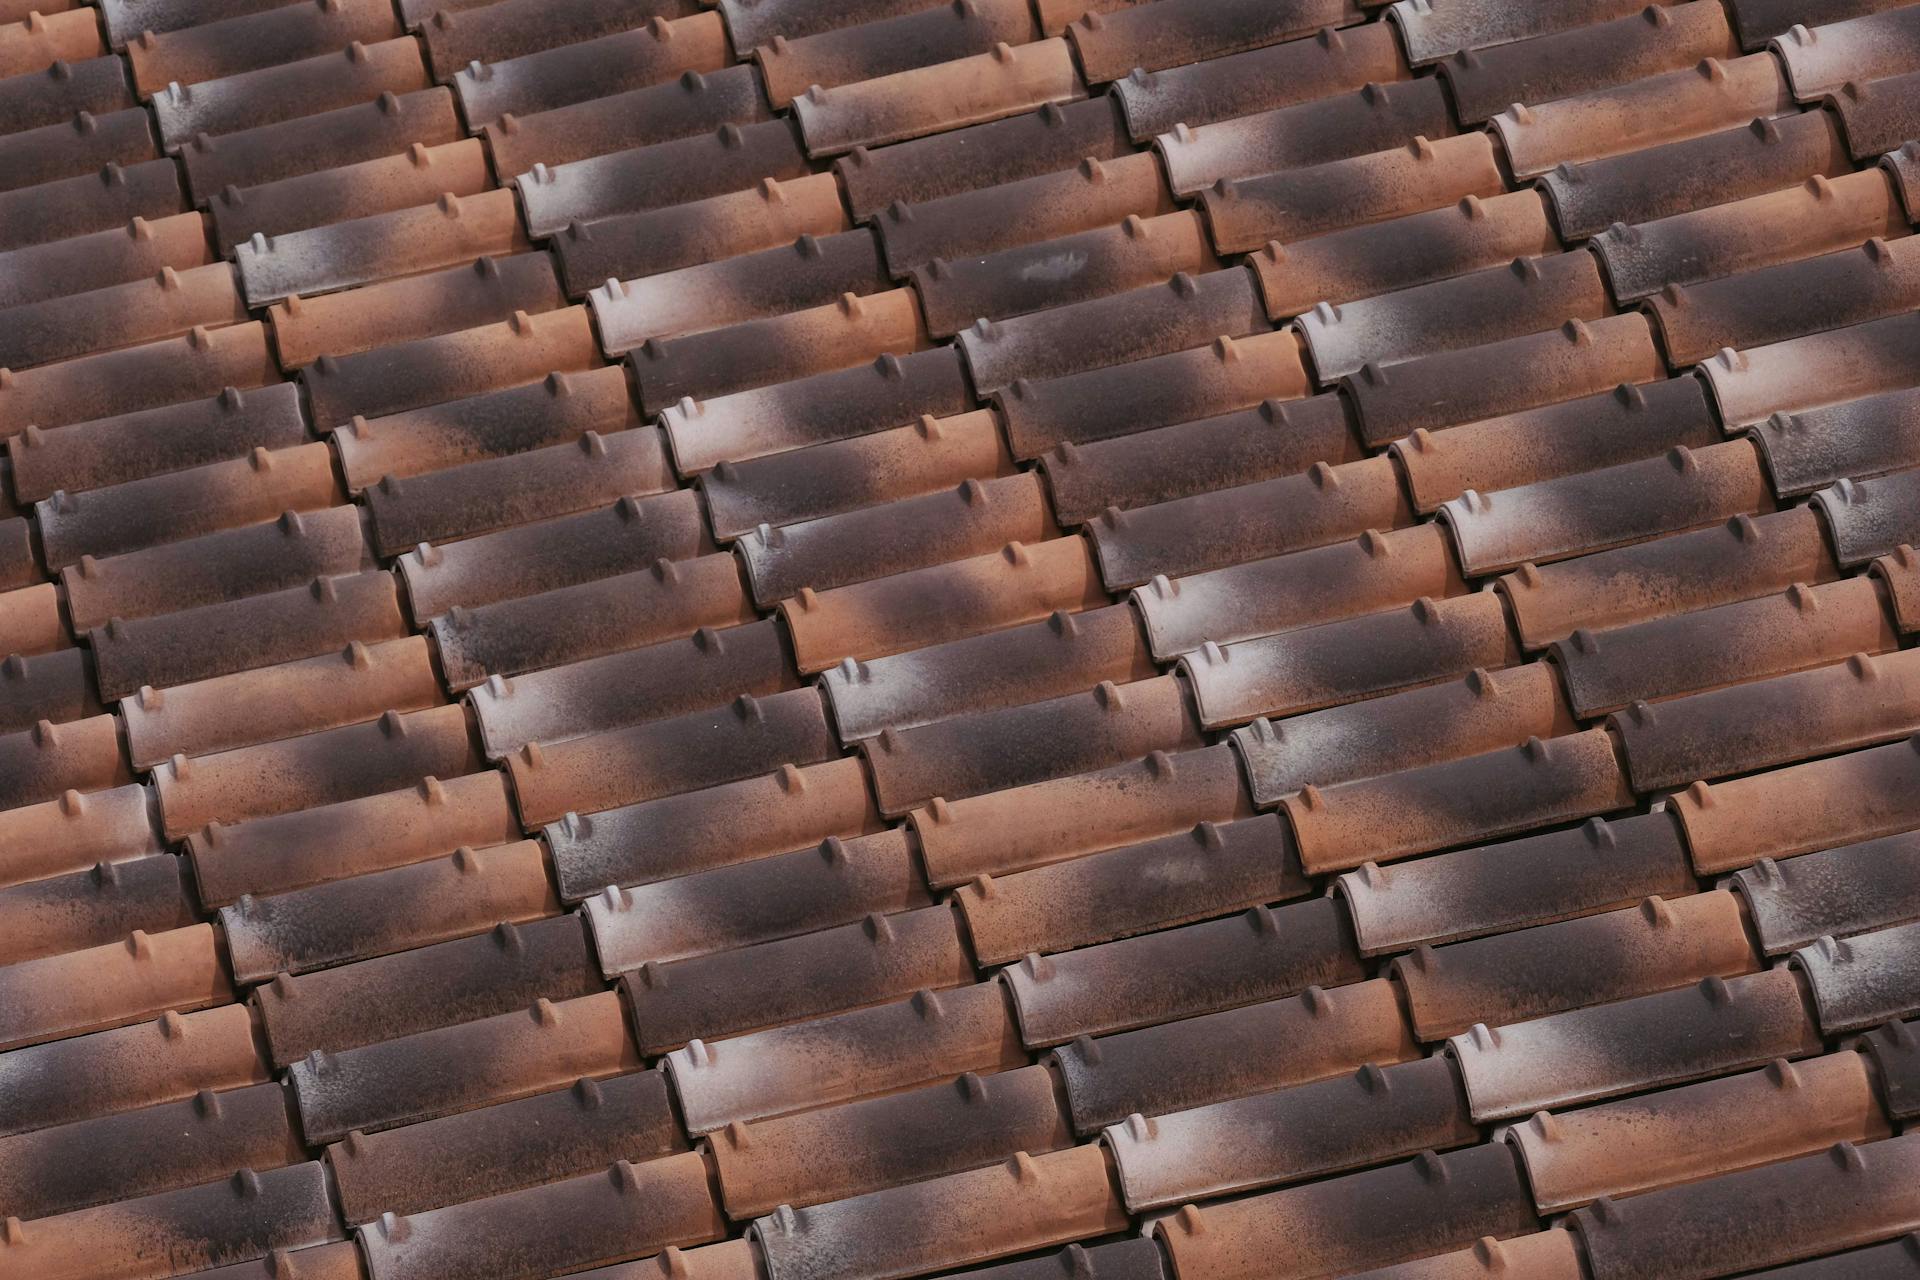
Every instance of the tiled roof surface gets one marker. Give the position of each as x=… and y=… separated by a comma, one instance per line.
x=860, y=639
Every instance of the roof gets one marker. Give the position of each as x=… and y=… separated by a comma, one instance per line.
x=1032, y=639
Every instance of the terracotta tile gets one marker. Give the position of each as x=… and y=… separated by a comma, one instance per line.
x=1794, y=630
x=1504, y=375
x=1822, y=58
x=730, y=824
x=1110, y=44
x=560, y=408
x=757, y=353
x=145, y=443
x=875, y=961
x=1260, y=954
x=81, y=145
x=1716, y=94
x=1549, y=1255
x=1666, y=1038
x=748, y=903
x=1229, y=526
x=1045, y=822
x=1892, y=1051
x=809, y=272
x=845, y=475
x=973, y=518
x=113, y=984
x=1681, y=1135
x=126, y=19
x=56, y=94
x=1899, y=569
x=110, y=383
x=1057, y=136
x=387, y=911
x=217, y=567
x=1864, y=980
x=756, y=22
x=910, y=104
x=356, y=683
x=1477, y=798
x=274, y=95
x=1424, y=1206
x=161, y=1148
x=1769, y=154
x=299, y=621
x=863, y=1147
x=1019, y=583
x=1481, y=712
x=1378, y=117
x=1021, y=1204
x=1215, y=868
x=1831, y=893
x=53, y=687
x=1362, y=262
x=932, y=1036
x=248, y=42
x=1567, y=438
x=630, y=687
x=692, y=104
x=671, y=756
x=1297, y=204
x=243, y=1216
x=167, y=1060
x=650, y=241
x=1290, y=1135
x=1234, y=1053
x=1256, y=79
x=1667, y=256
x=102, y=258
x=1840, y=1197
x=263, y=153
x=461, y=33
x=1310, y=668
x=1302, y=588
x=453, y=366
x=95, y=201
x=346, y=763
x=1525, y=296
x=75, y=831
x=47, y=760
x=1537, y=879
x=1654, y=946
x=1869, y=518
x=480, y=498
x=535, y=1140
x=1567, y=63
x=608, y=64
x=475, y=1064
x=39, y=40
x=1834, y=802
x=1024, y=664
x=1431, y=32
x=1760, y=20
x=887, y=45
x=987, y=751
x=470, y=998
x=1182, y=386
x=335, y=842
x=605, y=615
x=451, y=233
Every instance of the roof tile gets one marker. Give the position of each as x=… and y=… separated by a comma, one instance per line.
x=335, y=842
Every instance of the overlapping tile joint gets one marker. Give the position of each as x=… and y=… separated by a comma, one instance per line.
x=853, y=639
